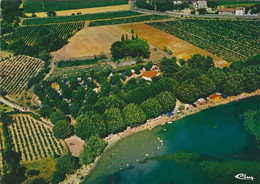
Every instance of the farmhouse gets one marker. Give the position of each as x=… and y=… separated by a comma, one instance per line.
x=226, y=11
x=148, y=75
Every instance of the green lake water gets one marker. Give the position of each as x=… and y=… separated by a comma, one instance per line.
x=227, y=139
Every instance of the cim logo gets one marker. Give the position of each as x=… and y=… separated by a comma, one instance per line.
x=242, y=176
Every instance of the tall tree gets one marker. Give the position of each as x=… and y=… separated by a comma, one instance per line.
x=167, y=101
x=62, y=129
x=133, y=115
x=114, y=120
x=151, y=108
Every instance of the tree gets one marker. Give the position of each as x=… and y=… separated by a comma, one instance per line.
x=51, y=13
x=200, y=62
x=151, y=108
x=167, y=101
x=149, y=65
x=169, y=66
x=133, y=48
x=168, y=84
x=62, y=129
x=187, y=92
x=114, y=120
x=88, y=125
x=252, y=78
x=46, y=111
x=66, y=164
x=218, y=76
x=93, y=148
x=108, y=102
x=91, y=96
x=234, y=83
x=57, y=116
x=212, y=4
x=75, y=107
x=133, y=115
x=206, y=85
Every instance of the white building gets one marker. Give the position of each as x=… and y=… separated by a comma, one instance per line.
x=199, y=4
x=240, y=11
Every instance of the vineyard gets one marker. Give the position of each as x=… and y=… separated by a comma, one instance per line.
x=129, y=20
x=230, y=40
x=61, y=19
x=16, y=71
x=29, y=33
x=44, y=6
x=33, y=139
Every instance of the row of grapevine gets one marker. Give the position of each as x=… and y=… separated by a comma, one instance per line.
x=30, y=33
x=227, y=39
x=129, y=20
x=33, y=139
x=87, y=17
x=16, y=71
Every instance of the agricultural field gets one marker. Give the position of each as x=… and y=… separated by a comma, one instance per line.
x=180, y=48
x=33, y=139
x=230, y=40
x=126, y=20
x=93, y=41
x=39, y=21
x=45, y=6
x=16, y=71
x=29, y=33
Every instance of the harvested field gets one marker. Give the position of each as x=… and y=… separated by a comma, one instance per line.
x=86, y=10
x=88, y=42
x=92, y=41
x=179, y=47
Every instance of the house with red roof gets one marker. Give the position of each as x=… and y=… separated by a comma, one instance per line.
x=148, y=75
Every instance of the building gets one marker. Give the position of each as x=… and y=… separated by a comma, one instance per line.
x=214, y=97
x=226, y=11
x=177, y=2
x=199, y=4
x=240, y=11
x=148, y=75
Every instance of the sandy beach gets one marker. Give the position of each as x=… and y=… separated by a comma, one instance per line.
x=150, y=124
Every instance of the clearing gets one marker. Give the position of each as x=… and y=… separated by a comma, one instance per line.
x=180, y=48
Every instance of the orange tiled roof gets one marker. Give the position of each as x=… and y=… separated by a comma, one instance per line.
x=150, y=74
x=214, y=96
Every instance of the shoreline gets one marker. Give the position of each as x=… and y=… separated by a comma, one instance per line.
x=112, y=139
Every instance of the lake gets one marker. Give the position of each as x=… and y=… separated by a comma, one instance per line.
x=217, y=133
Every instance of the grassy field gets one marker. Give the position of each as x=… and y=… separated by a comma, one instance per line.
x=128, y=20
x=180, y=48
x=29, y=33
x=44, y=6
x=33, y=138
x=16, y=71
x=230, y=40
x=38, y=21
